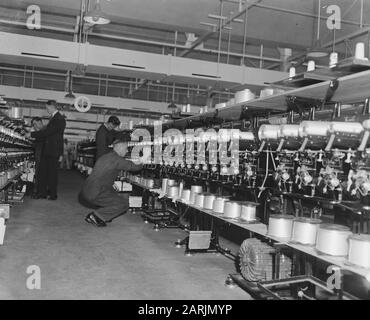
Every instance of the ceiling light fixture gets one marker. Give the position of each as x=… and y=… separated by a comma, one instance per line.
x=70, y=95
x=96, y=16
x=317, y=51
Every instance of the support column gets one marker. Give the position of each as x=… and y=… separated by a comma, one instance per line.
x=285, y=54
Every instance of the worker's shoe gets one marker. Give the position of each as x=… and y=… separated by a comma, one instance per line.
x=95, y=220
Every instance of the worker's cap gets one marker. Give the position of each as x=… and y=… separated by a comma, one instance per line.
x=114, y=120
x=51, y=103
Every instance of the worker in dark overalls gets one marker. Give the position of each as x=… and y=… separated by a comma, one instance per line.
x=98, y=188
x=38, y=145
x=105, y=136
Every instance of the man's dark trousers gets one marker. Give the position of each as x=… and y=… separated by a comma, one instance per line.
x=40, y=175
x=49, y=177
x=52, y=166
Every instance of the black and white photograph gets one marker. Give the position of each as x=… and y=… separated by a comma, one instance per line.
x=186, y=157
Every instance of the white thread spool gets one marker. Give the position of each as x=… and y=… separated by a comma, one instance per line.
x=333, y=60
x=289, y=131
x=219, y=205
x=243, y=96
x=248, y=211
x=268, y=132
x=292, y=72
x=199, y=200
x=346, y=127
x=332, y=240
x=164, y=185
x=185, y=195
x=305, y=231
x=208, y=201
x=359, y=250
x=170, y=183
x=366, y=124
x=280, y=226
x=232, y=210
x=192, y=197
x=150, y=183
x=360, y=51
x=196, y=189
x=311, y=66
x=247, y=136
x=220, y=105
x=173, y=192
x=314, y=128
x=181, y=187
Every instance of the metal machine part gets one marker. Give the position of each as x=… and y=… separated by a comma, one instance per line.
x=341, y=133
x=289, y=137
x=257, y=261
x=314, y=134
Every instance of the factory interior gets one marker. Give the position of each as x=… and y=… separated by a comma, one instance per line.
x=185, y=150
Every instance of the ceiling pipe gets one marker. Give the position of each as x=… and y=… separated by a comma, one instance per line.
x=44, y=27
x=209, y=34
x=171, y=45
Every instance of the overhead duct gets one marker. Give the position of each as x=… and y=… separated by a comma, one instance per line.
x=64, y=55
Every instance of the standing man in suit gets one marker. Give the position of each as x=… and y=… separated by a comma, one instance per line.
x=53, y=150
x=38, y=146
x=105, y=136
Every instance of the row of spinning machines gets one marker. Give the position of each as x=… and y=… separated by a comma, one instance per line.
x=302, y=164
x=313, y=162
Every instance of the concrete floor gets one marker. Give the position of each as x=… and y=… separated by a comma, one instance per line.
x=126, y=260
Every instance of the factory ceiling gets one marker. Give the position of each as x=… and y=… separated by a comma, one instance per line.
x=172, y=26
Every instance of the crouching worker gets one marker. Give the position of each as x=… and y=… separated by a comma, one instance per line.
x=97, y=191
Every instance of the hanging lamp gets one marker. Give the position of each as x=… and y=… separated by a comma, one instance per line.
x=96, y=15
